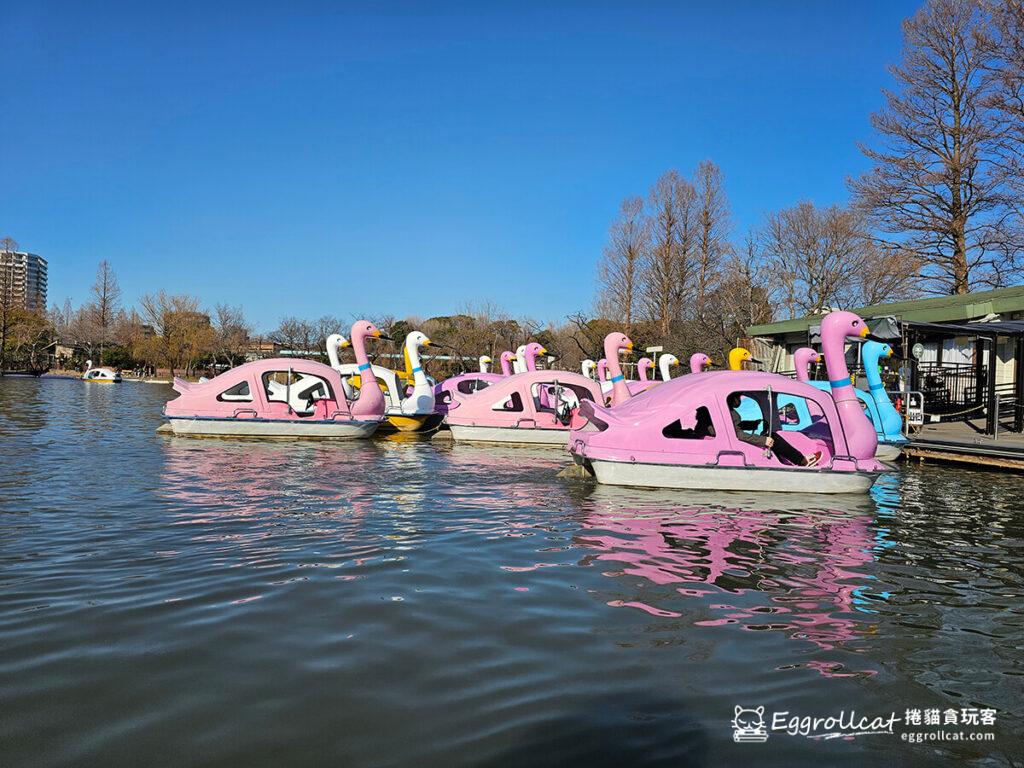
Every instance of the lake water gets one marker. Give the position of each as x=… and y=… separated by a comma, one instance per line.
x=166, y=601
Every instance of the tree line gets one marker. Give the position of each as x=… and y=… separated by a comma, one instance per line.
x=938, y=211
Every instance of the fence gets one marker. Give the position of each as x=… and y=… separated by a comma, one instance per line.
x=952, y=390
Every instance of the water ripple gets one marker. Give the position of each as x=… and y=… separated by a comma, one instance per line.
x=416, y=603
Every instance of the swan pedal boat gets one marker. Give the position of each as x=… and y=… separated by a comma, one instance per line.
x=475, y=381
x=634, y=444
x=276, y=398
x=681, y=434
x=877, y=407
x=100, y=375
x=280, y=398
x=409, y=395
x=532, y=408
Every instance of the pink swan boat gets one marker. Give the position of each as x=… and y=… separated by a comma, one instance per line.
x=699, y=362
x=476, y=381
x=614, y=344
x=532, y=408
x=665, y=363
x=642, y=383
x=280, y=398
x=506, y=363
x=681, y=434
x=602, y=376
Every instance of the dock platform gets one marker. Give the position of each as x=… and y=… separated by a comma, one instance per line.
x=965, y=442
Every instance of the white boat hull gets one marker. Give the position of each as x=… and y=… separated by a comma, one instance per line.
x=888, y=452
x=271, y=428
x=509, y=435
x=730, y=478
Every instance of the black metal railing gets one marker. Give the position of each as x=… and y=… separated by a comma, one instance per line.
x=952, y=390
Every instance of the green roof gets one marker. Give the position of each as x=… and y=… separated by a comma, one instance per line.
x=939, y=309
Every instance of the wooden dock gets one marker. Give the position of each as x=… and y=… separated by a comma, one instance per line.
x=964, y=442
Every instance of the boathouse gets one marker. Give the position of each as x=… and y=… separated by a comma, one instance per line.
x=961, y=356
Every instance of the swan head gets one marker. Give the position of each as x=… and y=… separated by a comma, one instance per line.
x=805, y=356
x=417, y=339
x=738, y=356
x=337, y=341
x=849, y=324
x=363, y=329
x=699, y=362
x=873, y=350
x=534, y=349
x=617, y=343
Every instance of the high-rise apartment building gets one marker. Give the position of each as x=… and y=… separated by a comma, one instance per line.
x=23, y=279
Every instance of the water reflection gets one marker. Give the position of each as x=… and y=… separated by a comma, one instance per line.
x=800, y=566
x=422, y=603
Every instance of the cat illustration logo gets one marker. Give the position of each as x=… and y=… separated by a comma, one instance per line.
x=748, y=725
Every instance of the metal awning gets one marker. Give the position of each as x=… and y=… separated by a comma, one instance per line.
x=1013, y=328
x=882, y=327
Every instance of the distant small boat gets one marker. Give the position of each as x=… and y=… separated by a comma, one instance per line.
x=100, y=375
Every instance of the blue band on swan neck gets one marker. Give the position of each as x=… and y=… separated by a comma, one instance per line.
x=417, y=369
x=837, y=383
x=620, y=377
x=877, y=387
x=364, y=367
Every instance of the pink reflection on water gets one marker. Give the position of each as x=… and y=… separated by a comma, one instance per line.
x=800, y=572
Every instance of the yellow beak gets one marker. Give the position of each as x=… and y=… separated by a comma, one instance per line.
x=426, y=342
x=345, y=343
x=891, y=353
x=629, y=347
x=864, y=331
x=543, y=351
x=377, y=333
x=817, y=359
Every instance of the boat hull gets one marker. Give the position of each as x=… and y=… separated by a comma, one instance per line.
x=728, y=478
x=423, y=423
x=888, y=451
x=509, y=435
x=283, y=429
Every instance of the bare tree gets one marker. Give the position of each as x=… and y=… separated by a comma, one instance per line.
x=106, y=295
x=295, y=334
x=178, y=332
x=323, y=327
x=620, y=270
x=714, y=226
x=1004, y=39
x=934, y=182
x=814, y=255
x=668, y=264
x=887, y=272
x=232, y=333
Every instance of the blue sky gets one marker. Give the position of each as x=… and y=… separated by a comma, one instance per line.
x=406, y=158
